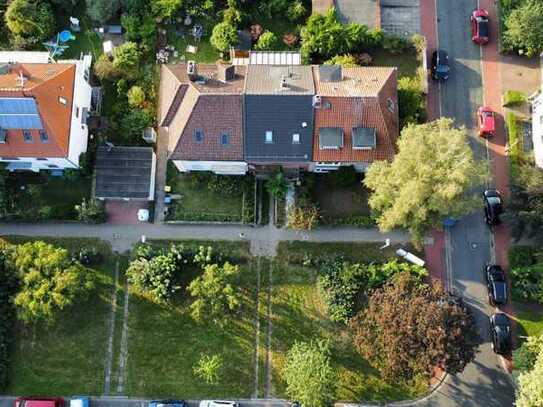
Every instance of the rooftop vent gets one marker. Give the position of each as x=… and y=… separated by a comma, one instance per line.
x=192, y=70
x=284, y=83
x=226, y=73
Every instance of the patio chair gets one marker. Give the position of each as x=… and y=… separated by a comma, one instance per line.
x=192, y=49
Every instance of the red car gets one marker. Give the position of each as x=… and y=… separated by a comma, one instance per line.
x=39, y=402
x=487, y=121
x=479, y=26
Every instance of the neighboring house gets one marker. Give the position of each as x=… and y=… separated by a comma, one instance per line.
x=537, y=128
x=356, y=116
x=201, y=112
x=278, y=116
x=43, y=111
x=234, y=119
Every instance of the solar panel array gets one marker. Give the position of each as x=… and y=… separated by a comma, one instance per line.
x=19, y=114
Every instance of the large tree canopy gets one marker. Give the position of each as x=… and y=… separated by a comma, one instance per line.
x=431, y=177
x=530, y=385
x=407, y=329
x=102, y=10
x=524, y=27
x=30, y=21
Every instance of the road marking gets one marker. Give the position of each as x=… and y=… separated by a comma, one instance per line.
x=257, y=328
x=109, y=351
x=124, y=344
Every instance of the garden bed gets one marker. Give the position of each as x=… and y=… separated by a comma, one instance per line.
x=205, y=197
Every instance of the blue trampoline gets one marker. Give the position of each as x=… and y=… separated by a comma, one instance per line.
x=65, y=36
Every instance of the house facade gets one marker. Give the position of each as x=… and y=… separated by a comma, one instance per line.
x=537, y=128
x=234, y=119
x=43, y=111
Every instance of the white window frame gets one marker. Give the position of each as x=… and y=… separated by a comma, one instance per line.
x=269, y=137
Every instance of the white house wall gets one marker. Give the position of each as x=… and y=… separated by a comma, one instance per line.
x=218, y=167
x=537, y=129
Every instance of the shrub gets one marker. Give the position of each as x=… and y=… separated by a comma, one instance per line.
x=104, y=69
x=91, y=211
x=296, y=10
x=277, y=185
x=522, y=256
x=514, y=98
x=267, y=41
x=136, y=96
x=209, y=368
x=514, y=134
x=8, y=287
x=30, y=21
x=302, y=217
x=347, y=60
x=290, y=39
x=411, y=101
x=154, y=276
x=527, y=283
x=126, y=59
x=224, y=35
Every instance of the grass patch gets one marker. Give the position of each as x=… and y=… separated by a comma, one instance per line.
x=529, y=317
x=514, y=98
x=205, y=54
x=166, y=343
x=406, y=62
x=67, y=357
x=299, y=315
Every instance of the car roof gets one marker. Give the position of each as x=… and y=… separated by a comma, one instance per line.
x=492, y=192
x=483, y=26
x=501, y=319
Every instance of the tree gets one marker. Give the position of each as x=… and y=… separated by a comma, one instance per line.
x=49, y=281
x=524, y=209
x=126, y=59
x=431, y=178
x=8, y=287
x=411, y=101
x=224, y=35
x=530, y=385
x=346, y=60
x=214, y=294
x=309, y=374
x=136, y=96
x=525, y=356
x=267, y=41
x=104, y=69
x=524, y=27
x=155, y=276
x=277, y=185
x=133, y=124
x=209, y=368
x=30, y=21
x=407, y=329
x=296, y=10
x=91, y=211
x=165, y=8
x=102, y=10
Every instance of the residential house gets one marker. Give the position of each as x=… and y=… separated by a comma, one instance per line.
x=278, y=114
x=43, y=111
x=234, y=119
x=356, y=116
x=201, y=112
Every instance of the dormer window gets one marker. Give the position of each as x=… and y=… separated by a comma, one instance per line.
x=27, y=136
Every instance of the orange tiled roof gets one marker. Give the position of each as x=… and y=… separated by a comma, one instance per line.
x=46, y=83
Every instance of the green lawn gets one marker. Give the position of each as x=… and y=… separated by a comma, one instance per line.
x=205, y=54
x=68, y=356
x=166, y=343
x=299, y=315
x=529, y=317
x=199, y=203
x=406, y=62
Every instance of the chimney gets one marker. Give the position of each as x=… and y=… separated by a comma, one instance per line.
x=226, y=73
x=284, y=83
x=192, y=70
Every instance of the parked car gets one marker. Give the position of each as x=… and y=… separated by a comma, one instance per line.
x=167, y=403
x=480, y=26
x=79, y=401
x=440, y=65
x=486, y=118
x=496, y=284
x=218, y=403
x=493, y=206
x=39, y=402
x=500, y=330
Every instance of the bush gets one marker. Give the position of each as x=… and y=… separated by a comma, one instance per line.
x=209, y=368
x=224, y=35
x=395, y=44
x=296, y=11
x=411, y=101
x=89, y=256
x=353, y=220
x=155, y=276
x=522, y=256
x=91, y=211
x=126, y=59
x=277, y=185
x=303, y=217
x=267, y=41
x=514, y=133
x=347, y=61
x=136, y=96
x=514, y=98
x=104, y=69
x=527, y=283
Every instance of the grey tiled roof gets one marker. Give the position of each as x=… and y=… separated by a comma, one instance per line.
x=266, y=80
x=283, y=116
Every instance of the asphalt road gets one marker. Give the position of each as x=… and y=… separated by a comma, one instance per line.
x=483, y=382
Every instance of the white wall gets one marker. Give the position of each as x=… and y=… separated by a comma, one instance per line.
x=218, y=167
x=537, y=129
x=79, y=133
x=37, y=165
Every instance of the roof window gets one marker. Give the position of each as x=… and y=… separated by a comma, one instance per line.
x=269, y=137
x=225, y=139
x=44, y=137
x=198, y=136
x=27, y=136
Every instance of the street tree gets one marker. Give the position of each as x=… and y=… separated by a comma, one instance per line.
x=407, y=329
x=432, y=177
x=215, y=294
x=49, y=281
x=524, y=28
x=309, y=374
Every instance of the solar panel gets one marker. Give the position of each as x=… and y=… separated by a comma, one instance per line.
x=19, y=113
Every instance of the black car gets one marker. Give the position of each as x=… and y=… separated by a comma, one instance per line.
x=496, y=284
x=500, y=330
x=440, y=65
x=493, y=206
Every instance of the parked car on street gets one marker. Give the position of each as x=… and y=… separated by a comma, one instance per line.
x=79, y=401
x=440, y=65
x=218, y=403
x=480, y=26
x=39, y=402
x=496, y=284
x=167, y=403
x=493, y=206
x=486, y=119
x=500, y=330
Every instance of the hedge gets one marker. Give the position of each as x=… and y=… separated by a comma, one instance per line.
x=513, y=98
x=7, y=288
x=514, y=133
